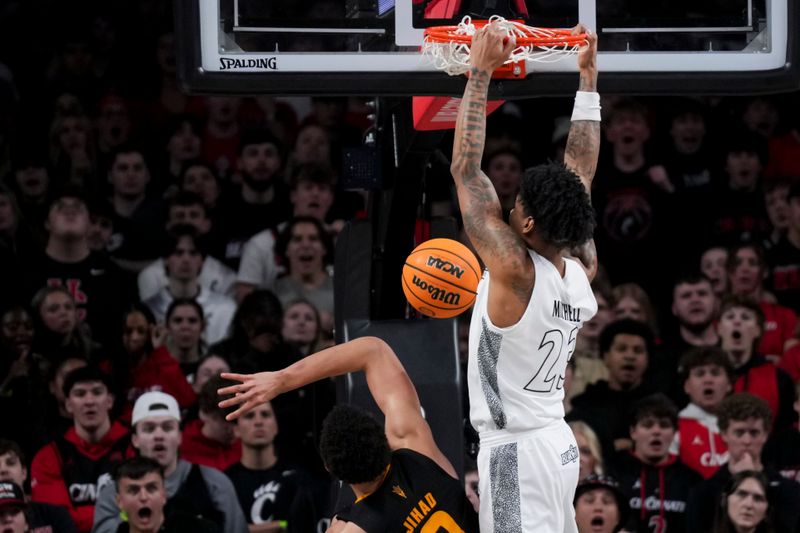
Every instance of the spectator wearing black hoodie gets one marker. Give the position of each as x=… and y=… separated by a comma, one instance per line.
x=625, y=346
x=744, y=423
x=656, y=483
x=740, y=327
x=94, y=282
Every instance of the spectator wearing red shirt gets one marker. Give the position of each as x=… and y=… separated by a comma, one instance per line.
x=70, y=470
x=747, y=270
x=740, y=325
x=210, y=441
x=147, y=364
x=708, y=379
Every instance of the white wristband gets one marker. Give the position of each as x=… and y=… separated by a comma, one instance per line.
x=587, y=106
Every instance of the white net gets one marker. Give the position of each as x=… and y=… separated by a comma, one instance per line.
x=453, y=57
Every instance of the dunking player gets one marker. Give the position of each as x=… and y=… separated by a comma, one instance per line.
x=401, y=479
x=530, y=304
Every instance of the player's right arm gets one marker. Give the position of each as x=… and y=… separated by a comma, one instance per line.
x=387, y=380
x=499, y=246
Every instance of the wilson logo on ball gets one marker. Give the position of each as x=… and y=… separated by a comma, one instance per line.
x=436, y=293
x=440, y=278
x=445, y=266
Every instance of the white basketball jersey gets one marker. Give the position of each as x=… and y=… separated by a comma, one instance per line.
x=516, y=374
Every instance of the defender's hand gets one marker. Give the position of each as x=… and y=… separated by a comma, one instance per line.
x=252, y=391
x=491, y=47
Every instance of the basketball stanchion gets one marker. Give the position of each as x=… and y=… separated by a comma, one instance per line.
x=440, y=278
x=448, y=48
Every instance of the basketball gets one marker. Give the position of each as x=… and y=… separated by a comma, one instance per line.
x=440, y=278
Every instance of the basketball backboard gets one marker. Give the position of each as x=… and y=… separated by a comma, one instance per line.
x=371, y=47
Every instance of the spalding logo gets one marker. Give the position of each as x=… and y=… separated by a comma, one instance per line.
x=445, y=266
x=450, y=298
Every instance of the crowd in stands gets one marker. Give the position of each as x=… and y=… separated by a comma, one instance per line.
x=150, y=240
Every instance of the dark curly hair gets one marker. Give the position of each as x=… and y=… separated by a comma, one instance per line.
x=559, y=204
x=626, y=326
x=654, y=406
x=705, y=356
x=743, y=406
x=353, y=445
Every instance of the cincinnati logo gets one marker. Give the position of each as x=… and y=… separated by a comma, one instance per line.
x=264, y=63
x=713, y=459
x=442, y=295
x=445, y=266
x=570, y=456
x=265, y=493
x=83, y=492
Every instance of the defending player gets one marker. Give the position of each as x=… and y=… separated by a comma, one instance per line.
x=401, y=479
x=530, y=304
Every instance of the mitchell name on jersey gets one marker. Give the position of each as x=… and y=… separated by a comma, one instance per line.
x=566, y=312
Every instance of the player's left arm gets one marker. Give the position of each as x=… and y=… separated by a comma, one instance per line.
x=583, y=143
x=387, y=380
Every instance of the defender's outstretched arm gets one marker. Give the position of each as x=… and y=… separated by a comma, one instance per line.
x=386, y=378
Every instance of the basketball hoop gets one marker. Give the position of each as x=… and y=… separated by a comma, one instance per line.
x=449, y=46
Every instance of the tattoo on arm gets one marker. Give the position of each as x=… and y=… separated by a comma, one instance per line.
x=471, y=127
x=583, y=149
x=588, y=81
x=495, y=241
x=583, y=143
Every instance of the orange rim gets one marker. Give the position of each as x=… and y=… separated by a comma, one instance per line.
x=558, y=37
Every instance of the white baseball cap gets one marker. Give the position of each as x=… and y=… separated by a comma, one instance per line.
x=155, y=403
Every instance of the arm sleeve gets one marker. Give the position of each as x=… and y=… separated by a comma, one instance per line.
x=106, y=512
x=223, y=495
